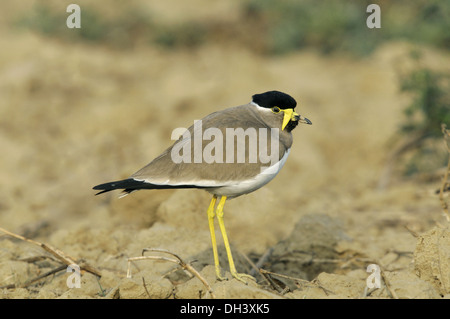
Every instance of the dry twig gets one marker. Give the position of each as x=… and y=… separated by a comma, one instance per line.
x=58, y=254
x=255, y=267
x=32, y=281
x=298, y=281
x=177, y=260
x=261, y=261
x=388, y=285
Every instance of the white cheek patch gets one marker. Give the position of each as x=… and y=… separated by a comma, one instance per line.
x=260, y=108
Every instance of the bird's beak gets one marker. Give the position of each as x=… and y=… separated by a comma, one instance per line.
x=291, y=115
x=302, y=119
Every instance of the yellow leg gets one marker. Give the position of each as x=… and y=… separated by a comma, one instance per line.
x=219, y=213
x=211, y=215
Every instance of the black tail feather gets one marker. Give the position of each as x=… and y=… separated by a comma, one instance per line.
x=129, y=185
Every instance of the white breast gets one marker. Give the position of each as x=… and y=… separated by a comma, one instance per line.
x=247, y=186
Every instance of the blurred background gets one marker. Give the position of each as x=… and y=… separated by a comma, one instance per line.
x=80, y=107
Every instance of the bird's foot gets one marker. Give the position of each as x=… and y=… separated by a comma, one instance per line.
x=219, y=276
x=242, y=277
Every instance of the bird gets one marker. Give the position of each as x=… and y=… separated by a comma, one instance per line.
x=226, y=154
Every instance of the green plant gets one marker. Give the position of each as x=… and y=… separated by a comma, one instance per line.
x=431, y=102
x=424, y=116
x=429, y=109
x=119, y=31
x=330, y=26
x=122, y=30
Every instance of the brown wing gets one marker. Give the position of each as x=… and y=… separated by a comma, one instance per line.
x=215, y=168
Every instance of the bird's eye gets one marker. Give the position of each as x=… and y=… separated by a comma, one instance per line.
x=276, y=109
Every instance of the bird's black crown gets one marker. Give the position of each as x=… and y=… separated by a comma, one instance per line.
x=274, y=98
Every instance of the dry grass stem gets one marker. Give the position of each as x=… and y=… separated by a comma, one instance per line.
x=261, y=261
x=58, y=254
x=176, y=260
x=263, y=271
x=32, y=281
x=298, y=281
x=255, y=267
x=388, y=286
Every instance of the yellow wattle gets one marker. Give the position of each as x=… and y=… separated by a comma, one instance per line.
x=288, y=114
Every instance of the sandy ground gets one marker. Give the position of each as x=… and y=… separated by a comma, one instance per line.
x=73, y=116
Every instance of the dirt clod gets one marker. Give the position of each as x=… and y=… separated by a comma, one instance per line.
x=432, y=258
